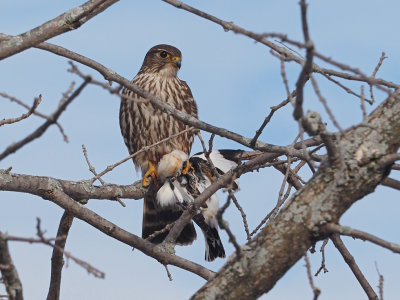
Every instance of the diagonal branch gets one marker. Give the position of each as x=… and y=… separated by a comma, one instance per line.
x=54, y=190
x=111, y=75
x=14, y=99
x=68, y=21
x=261, y=38
x=39, y=131
x=349, y=259
x=321, y=200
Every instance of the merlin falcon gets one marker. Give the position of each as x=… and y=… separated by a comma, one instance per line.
x=142, y=124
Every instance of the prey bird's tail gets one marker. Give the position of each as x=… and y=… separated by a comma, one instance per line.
x=156, y=218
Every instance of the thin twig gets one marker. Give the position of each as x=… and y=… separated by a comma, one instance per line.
x=381, y=59
x=322, y=250
x=325, y=104
x=39, y=131
x=268, y=118
x=364, y=111
x=224, y=225
x=316, y=290
x=112, y=167
x=16, y=100
x=381, y=281
x=36, y=102
x=348, y=90
x=168, y=273
x=242, y=213
x=156, y=233
x=93, y=170
x=90, y=269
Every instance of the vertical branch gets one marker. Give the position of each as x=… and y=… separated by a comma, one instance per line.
x=9, y=272
x=307, y=67
x=316, y=290
x=57, y=261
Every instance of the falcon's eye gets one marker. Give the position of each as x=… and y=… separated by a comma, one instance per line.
x=164, y=54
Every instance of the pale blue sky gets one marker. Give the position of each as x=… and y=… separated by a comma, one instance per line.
x=234, y=81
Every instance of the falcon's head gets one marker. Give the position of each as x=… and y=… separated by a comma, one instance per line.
x=162, y=59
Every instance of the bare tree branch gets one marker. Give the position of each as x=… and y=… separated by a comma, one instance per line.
x=322, y=250
x=316, y=290
x=230, y=26
x=10, y=275
x=307, y=67
x=349, y=259
x=224, y=225
x=78, y=190
x=390, y=182
x=371, y=89
x=269, y=117
x=381, y=280
x=24, y=116
x=16, y=100
x=354, y=233
x=57, y=261
x=69, y=20
x=39, y=131
x=266, y=260
x=53, y=190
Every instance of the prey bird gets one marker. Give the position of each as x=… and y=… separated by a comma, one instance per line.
x=184, y=179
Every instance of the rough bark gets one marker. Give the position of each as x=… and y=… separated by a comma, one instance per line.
x=9, y=273
x=332, y=190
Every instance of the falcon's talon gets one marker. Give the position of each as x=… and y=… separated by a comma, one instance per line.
x=188, y=167
x=151, y=172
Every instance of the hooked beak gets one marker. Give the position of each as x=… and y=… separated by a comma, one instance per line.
x=176, y=60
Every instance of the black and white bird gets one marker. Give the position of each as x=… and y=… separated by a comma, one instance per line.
x=183, y=179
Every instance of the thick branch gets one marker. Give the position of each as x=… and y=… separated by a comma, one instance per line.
x=286, y=238
x=78, y=190
x=53, y=190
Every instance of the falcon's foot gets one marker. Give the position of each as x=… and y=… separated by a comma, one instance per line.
x=187, y=168
x=151, y=172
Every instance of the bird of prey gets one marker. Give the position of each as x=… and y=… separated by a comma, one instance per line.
x=184, y=179
x=142, y=124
